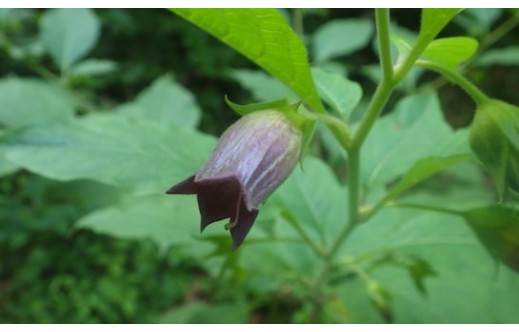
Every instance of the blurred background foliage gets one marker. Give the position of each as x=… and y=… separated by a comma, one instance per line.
x=129, y=61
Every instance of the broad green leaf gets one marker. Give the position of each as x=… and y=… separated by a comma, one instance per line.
x=421, y=171
x=315, y=199
x=143, y=157
x=508, y=56
x=202, y=313
x=262, y=86
x=498, y=229
x=93, y=67
x=451, y=51
x=27, y=101
x=167, y=220
x=165, y=101
x=337, y=91
x=465, y=288
x=264, y=37
x=434, y=20
x=415, y=130
x=68, y=34
x=341, y=37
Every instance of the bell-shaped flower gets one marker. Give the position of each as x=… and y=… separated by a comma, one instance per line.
x=253, y=157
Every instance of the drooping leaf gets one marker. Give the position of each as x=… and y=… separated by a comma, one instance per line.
x=337, y=91
x=68, y=34
x=434, y=20
x=167, y=102
x=341, y=37
x=498, y=229
x=142, y=157
x=264, y=37
x=27, y=102
x=451, y=51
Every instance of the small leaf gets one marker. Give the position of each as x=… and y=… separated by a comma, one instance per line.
x=337, y=91
x=497, y=227
x=69, y=34
x=341, y=37
x=93, y=67
x=451, y=51
x=418, y=269
x=264, y=37
x=434, y=20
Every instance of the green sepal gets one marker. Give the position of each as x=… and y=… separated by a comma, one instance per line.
x=279, y=104
x=305, y=121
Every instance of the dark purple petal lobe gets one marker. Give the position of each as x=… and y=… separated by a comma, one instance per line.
x=186, y=187
x=243, y=226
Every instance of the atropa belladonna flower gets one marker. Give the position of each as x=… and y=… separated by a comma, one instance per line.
x=253, y=157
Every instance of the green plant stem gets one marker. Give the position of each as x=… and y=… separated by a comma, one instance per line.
x=499, y=32
x=476, y=94
x=426, y=208
x=384, y=42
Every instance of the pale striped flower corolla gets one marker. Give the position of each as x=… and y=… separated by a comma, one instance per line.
x=252, y=159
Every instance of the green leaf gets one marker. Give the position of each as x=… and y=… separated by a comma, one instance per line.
x=341, y=37
x=201, y=313
x=434, y=20
x=93, y=67
x=423, y=170
x=414, y=130
x=27, y=101
x=498, y=229
x=165, y=101
x=264, y=37
x=142, y=157
x=381, y=299
x=451, y=51
x=262, y=86
x=69, y=34
x=337, y=91
x=508, y=56
x=465, y=289
x=315, y=199
x=167, y=220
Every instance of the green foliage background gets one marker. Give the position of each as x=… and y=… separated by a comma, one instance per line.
x=102, y=110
